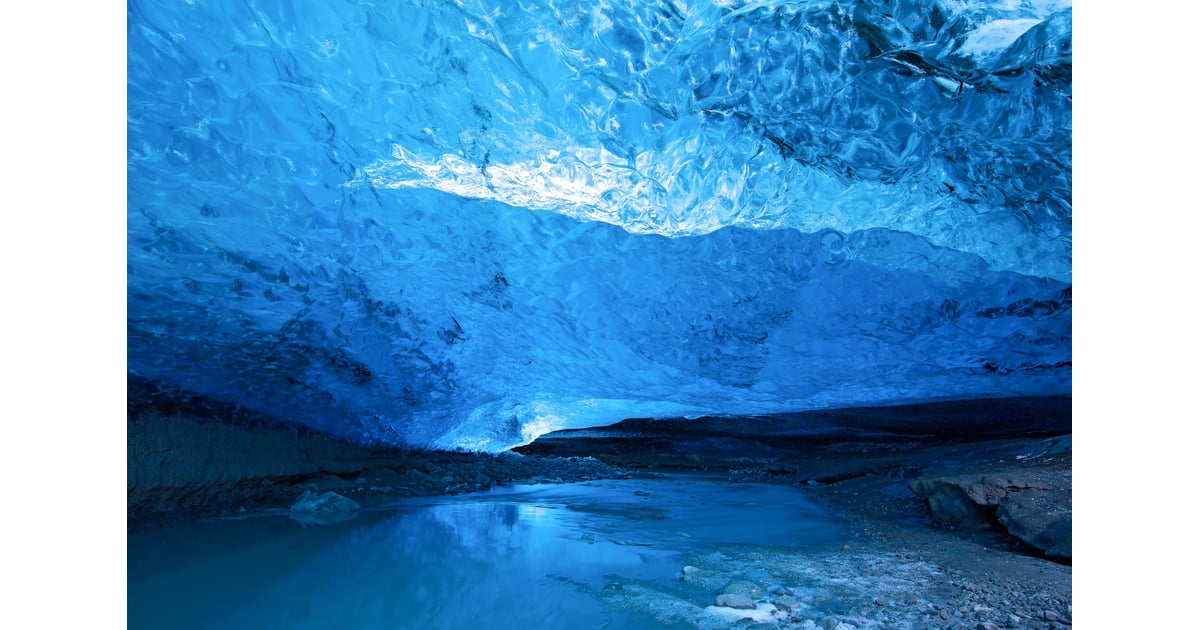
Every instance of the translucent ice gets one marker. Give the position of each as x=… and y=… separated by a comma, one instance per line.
x=466, y=224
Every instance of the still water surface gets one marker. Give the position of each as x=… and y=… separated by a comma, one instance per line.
x=521, y=557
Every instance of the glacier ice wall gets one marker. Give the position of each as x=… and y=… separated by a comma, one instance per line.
x=466, y=223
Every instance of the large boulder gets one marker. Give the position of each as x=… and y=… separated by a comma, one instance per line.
x=1041, y=518
x=966, y=501
x=1033, y=504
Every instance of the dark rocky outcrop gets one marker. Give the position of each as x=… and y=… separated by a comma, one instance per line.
x=189, y=456
x=1030, y=498
x=182, y=465
x=1041, y=518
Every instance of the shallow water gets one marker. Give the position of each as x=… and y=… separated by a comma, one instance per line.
x=519, y=557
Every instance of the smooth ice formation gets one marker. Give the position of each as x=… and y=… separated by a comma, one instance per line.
x=465, y=224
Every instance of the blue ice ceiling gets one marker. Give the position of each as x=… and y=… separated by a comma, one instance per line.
x=466, y=223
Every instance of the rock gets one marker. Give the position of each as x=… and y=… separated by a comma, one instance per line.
x=962, y=500
x=743, y=587
x=1049, y=615
x=324, y=509
x=1040, y=518
x=741, y=602
x=323, y=503
x=1033, y=505
x=786, y=602
x=986, y=625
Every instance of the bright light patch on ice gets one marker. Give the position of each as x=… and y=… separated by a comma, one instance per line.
x=995, y=36
x=579, y=182
x=525, y=422
x=543, y=422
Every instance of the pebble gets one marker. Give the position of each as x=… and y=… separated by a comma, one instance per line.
x=1049, y=615
x=786, y=602
x=735, y=601
x=743, y=587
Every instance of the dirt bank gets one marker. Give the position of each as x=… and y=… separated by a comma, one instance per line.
x=182, y=466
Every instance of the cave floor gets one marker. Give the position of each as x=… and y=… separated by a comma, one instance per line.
x=857, y=549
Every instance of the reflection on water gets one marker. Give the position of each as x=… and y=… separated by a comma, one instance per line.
x=521, y=557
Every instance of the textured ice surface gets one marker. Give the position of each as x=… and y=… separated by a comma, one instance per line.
x=464, y=224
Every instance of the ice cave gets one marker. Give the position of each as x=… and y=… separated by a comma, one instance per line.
x=604, y=308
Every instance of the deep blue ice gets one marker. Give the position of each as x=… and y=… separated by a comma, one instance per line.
x=465, y=224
